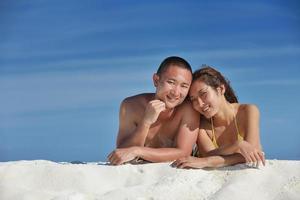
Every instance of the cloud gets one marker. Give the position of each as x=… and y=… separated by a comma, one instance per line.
x=54, y=91
x=37, y=33
x=270, y=82
x=246, y=52
x=151, y=60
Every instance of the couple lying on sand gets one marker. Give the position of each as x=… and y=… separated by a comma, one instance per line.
x=209, y=128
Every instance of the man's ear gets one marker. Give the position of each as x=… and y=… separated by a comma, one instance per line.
x=155, y=79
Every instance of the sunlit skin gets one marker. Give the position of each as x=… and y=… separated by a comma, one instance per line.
x=158, y=126
x=172, y=86
x=212, y=103
x=205, y=99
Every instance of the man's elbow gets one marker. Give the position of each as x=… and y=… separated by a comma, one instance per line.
x=122, y=144
x=119, y=144
x=125, y=144
x=184, y=153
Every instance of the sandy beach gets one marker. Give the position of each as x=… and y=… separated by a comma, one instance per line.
x=45, y=180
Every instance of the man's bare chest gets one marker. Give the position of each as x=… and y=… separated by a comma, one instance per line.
x=162, y=135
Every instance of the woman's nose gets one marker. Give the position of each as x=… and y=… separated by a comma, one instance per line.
x=200, y=102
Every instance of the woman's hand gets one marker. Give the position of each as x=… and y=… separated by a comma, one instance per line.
x=190, y=162
x=122, y=155
x=251, y=154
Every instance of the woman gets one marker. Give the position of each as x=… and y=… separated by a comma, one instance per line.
x=229, y=131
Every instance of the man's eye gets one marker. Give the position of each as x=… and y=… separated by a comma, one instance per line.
x=171, y=82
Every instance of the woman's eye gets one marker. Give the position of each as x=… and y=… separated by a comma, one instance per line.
x=203, y=94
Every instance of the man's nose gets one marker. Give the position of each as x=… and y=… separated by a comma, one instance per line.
x=176, y=90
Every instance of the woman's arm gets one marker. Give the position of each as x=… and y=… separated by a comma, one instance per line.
x=252, y=118
x=250, y=147
x=209, y=162
x=205, y=146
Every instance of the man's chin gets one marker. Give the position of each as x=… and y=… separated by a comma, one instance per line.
x=170, y=105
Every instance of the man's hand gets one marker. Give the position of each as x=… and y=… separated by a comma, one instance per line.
x=122, y=155
x=153, y=109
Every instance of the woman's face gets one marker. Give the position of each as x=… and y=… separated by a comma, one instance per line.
x=205, y=99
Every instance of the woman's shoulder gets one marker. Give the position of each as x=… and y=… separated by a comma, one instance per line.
x=247, y=110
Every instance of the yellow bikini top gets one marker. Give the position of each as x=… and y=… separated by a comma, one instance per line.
x=214, y=140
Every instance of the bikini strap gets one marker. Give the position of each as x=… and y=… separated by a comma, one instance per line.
x=214, y=140
x=239, y=136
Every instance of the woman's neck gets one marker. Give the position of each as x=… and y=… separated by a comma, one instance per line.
x=225, y=115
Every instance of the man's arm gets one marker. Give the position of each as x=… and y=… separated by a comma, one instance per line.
x=134, y=133
x=123, y=155
x=130, y=132
x=188, y=130
x=186, y=138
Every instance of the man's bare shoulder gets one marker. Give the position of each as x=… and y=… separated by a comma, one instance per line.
x=189, y=117
x=187, y=113
x=136, y=103
x=186, y=108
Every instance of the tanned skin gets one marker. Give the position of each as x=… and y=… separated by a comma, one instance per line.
x=160, y=126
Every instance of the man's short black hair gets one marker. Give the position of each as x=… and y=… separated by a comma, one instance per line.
x=173, y=60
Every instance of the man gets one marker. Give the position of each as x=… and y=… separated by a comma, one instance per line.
x=160, y=126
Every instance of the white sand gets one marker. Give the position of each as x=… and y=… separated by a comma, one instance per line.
x=43, y=180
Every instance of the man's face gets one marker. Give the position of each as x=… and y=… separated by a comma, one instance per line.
x=172, y=85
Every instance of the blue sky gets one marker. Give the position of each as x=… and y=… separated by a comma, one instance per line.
x=65, y=66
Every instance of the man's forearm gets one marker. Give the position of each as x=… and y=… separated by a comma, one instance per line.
x=137, y=138
x=160, y=154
